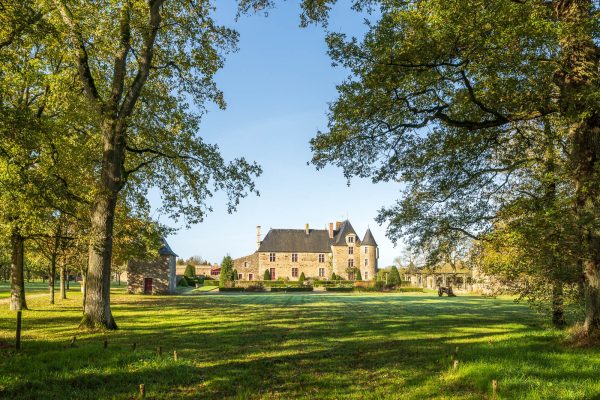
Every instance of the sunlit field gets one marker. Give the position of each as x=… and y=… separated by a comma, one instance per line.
x=281, y=346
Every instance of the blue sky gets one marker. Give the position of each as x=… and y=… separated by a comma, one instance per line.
x=277, y=87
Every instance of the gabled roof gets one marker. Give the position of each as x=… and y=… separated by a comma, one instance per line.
x=296, y=240
x=166, y=250
x=346, y=229
x=368, y=240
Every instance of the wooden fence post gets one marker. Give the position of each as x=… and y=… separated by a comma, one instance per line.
x=175, y=355
x=142, y=391
x=18, y=338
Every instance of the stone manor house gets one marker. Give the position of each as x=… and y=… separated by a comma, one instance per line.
x=287, y=253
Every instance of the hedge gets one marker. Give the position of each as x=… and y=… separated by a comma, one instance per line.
x=292, y=289
x=211, y=283
x=231, y=289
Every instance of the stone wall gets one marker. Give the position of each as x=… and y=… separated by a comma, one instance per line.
x=248, y=267
x=283, y=264
x=161, y=271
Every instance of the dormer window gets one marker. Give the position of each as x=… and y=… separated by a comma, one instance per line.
x=350, y=239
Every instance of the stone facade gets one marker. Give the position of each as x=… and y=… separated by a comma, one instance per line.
x=458, y=276
x=287, y=253
x=153, y=277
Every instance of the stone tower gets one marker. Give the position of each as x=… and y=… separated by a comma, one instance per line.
x=368, y=256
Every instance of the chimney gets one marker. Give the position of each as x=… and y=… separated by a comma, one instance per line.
x=306, y=229
x=330, y=230
x=257, y=237
x=338, y=225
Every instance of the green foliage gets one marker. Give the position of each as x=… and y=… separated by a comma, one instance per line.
x=333, y=276
x=292, y=289
x=190, y=271
x=231, y=289
x=302, y=278
x=357, y=274
x=183, y=282
x=394, y=277
x=267, y=275
x=226, y=278
x=479, y=137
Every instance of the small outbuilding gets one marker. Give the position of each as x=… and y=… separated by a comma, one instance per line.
x=153, y=277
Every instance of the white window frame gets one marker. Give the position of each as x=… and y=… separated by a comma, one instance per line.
x=350, y=263
x=294, y=257
x=321, y=271
x=350, y=250
x=321, y=258
x=272, y=257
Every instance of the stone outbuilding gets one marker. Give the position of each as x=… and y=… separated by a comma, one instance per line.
x=458, y=276
x=153, y=277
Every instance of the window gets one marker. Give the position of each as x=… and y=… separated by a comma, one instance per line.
x=350, y=250
x=240, y=276
x=321, y=258
x=366, y=262
x=350, y=263
x=366, y=276
x=272, y=257
x=321, y=271
x=294, y=257
x=245, y=264
x=351, y=276
x=366, y=250
x=294, y=272
x=272, y=272
x=350, y=239
x=250, y=277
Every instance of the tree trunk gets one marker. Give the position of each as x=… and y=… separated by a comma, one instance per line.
x=17, y=281
x=63, y=292
x=558, y=300
x=51, y=280
x=97, y=313
x=577, y=77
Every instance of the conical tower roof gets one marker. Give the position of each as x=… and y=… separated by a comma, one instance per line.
x=368, y=240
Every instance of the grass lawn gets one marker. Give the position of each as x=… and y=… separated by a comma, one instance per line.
x=30, y=288
x=281, y=346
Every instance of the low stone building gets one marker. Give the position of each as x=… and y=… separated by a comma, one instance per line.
x=318, y=253
x=457, y=276
x=153, y=277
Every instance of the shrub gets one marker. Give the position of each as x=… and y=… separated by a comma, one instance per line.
x=231, y=289
x=190, y=271
x=302, y=278
x=267, y=275
x=255, y=287
x=183, y=282
x=394, y=278
x=292, y=289
x=200, y=279
x=226, y=276
x=333, y=276
x=357, y=275
x=211, y=282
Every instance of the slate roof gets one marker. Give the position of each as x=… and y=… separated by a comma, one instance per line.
x=296, y=240
x=166, y=250
x=368, y=240
x=339, y=239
